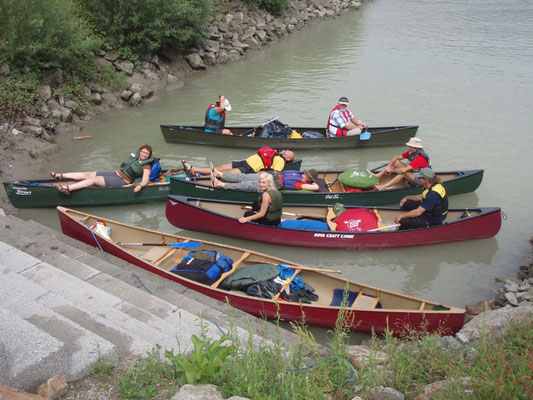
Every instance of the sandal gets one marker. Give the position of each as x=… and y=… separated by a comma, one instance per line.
x=63, y=189
x=56, y=175
x=188, y=169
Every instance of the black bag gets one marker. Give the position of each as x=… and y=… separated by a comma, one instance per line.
x=312, y=135
x=275, y=129
x=194, y=269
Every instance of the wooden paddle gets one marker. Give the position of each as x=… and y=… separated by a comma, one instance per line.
x=244, y=206
x=382, y=228
x=297, y=266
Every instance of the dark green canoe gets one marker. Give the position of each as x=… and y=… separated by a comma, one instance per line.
x=455, y=182
x=380, y=136
x=42, y=193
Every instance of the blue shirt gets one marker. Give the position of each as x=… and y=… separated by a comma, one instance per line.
x=430, y=202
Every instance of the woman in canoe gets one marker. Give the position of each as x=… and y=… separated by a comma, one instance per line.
x=269, y=204
x=137, y=165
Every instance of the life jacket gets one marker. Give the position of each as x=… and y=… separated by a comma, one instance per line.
x=267, y=155
x=442, y=208
x=414, y=155
x=356, y=220
x=133, y=167
x=214, y=124
x=340, y=131
x=274, y=209
x=289, y=179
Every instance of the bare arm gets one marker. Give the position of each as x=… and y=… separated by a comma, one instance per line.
x=415, y=197
x=145, y=179
x=220, y=108
x=262, y=212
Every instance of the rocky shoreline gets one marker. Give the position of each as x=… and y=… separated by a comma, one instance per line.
x=231, y=35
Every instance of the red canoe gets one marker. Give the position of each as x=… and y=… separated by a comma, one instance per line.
x=221, y=218
x=368, y=308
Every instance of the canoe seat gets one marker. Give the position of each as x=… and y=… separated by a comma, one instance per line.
x=365, y=302
x=156, y=253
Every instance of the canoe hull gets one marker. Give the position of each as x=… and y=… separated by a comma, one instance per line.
x=381, y=136
x=33, y=194
x=467, y=182
x=368, y=321
x=184, y=215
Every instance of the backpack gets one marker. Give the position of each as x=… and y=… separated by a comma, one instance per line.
x=155, y=170
x=275, y=129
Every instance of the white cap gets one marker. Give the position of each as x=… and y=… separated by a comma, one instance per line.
x=227, y=105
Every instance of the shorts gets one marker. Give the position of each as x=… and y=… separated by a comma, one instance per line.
x=112, y=180
x=243, y=166
x=415, y=183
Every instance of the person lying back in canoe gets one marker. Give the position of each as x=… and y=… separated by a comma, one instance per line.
x=137, y=165
x=342, y=122
x=268, y=209
x=417, y=159
x=426, y=209
x=284, y=180
x=266, y=159
x=215, y=116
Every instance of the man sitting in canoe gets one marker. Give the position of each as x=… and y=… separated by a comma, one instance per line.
x=266, y=159
x=426, y=209
x=137, y=165
x=215, y=116
x=284, y=180
x=342, y=122
x=268, y=210
x=417, y=159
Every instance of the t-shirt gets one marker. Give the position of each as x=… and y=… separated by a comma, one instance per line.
x=213, y=116
x=432, y=199
x=418, y=162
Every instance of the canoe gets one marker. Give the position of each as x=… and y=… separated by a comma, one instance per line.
x=380, y=136
x=42, y=193
x=221, y=218
x=455, y=182
x=373, y=310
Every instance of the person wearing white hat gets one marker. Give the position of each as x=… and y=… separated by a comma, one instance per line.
x=215, y=116
x=416, y=158
x=342, y=122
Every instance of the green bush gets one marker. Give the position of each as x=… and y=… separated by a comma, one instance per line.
x=273, y=6
x=39, y=35
x=139, y=28
x=18, y=96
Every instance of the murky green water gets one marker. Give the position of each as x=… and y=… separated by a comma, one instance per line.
x=459, y=69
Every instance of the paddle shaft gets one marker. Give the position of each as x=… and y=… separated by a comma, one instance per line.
x=383, y=228
x=260, y=126
x=178, y=245
x=289, y=213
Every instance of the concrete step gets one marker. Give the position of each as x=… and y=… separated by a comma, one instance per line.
x=28, y=352
x=83, y=346
x=48, y=243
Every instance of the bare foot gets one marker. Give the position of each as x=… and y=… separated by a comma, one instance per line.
x=188, y=168
x=378, y=187
x=371, y=173
x=216, y=183
x=217, y=173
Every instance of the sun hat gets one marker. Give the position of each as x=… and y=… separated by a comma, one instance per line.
x=414, y=142
x=338, y=209
x=425, y=173
x=227, y=105
x=311, y=173
x=343, y=100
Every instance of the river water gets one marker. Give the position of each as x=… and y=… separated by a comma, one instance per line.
x=459, y=69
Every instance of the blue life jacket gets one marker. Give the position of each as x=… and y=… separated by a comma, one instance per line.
x=289, y=179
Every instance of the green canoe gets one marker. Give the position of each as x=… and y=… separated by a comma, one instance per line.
x=380, y=136
x=455, y=182
x=42, y=193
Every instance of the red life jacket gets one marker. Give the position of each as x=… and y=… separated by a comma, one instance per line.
x=267, y=155
x=340, y=131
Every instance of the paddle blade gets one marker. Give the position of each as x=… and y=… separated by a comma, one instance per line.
x=185, y=245
x=365, y=135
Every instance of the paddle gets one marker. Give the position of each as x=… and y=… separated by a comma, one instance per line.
x=382, y=228
x=190, y=245
x=365, y=135
x=252, y=131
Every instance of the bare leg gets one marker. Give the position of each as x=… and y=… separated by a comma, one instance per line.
x=226, y=132
x=94, y=181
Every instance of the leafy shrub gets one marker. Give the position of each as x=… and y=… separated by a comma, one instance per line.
x=18, y=96
x=139, y=28
x=273, y=6
x=39, y=35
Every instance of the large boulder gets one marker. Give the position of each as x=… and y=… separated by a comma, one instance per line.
x=125, y=66
x=53, y=77
x=195, y=61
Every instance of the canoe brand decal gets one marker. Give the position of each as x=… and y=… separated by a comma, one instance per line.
x=173, y=203
x=22, y=191
x=334, y=235
x=332, y=196
x=204, y=188
x=164, y=188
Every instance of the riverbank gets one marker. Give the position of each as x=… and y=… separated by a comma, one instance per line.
x=234, y=32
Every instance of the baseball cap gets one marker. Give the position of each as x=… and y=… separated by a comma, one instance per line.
x=344, y=100
x=425, y=173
